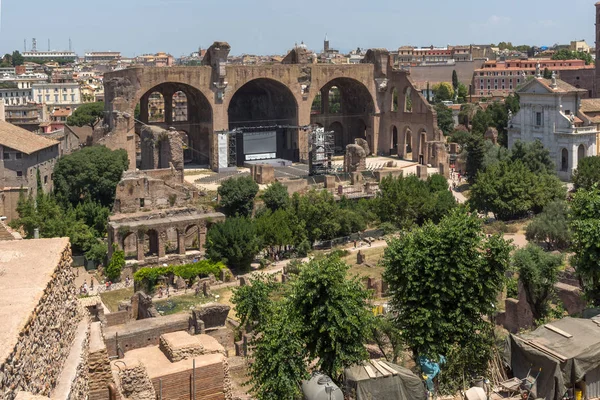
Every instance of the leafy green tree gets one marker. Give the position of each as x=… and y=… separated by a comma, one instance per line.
x=237, y=196
x=512, y=103
x=510, y=190
x=94, y=215
x=499, y=116
x=91, y=173
x=494, y=154
x=463, y=93
x=407, y=201
x=538, y=272
x=388, y=337
x=585, y=228
x=97, y=253
x=276, y=196
x=481, y=122
x=17, y=59
x=444, y=118
x=547, y=74
x=587, y=173
x=89, y=114
x=460, y=136
x=280, y=228
x=475, y=156
x=320, y=214
x=115, y=265
x=443, y=279
x=280, y=360
x=551, y=226
x=253, y=304
x=443, y=92
x=333, y=314
x=566, y=54
x=535, y=157
x=455, y=82
x=235, y=242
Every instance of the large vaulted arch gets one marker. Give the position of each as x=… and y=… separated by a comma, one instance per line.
x=349, y=104
x=185, y=108
x=266, y=113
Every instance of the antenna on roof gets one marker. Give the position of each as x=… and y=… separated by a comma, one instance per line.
x=70, y=45
x=33, y=45
x=48, y=44
x=24, y=43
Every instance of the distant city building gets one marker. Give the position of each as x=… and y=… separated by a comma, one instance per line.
x=26, y=116
x=57, y=94
x=408, y=55
x=156, y=60
x=44, y=56
x=102, y=56
x=504, y=76
x=551, y=112
x=580, y=45
x=22, y=155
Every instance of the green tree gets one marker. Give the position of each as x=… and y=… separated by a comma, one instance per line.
x=276, y=196
x=547, y=74
x=279, y=357
x=237, y=196
x=333, y=314
x=585, y=228
x=587, y=173
x=253, y=302
x=512, y=103
x=443, y=92
x=475, y=156
x=510, y=190
x=443, y=279
x=280, y=228
x=94, y=215
x=235, y=242
x=494, y=154
x=566, y=54
x=455, y=82
x=91, y=173
x=89, y=114
x=535, y=157
x=407, y=201
x=97, y=253
x=481, y=122
x=388, y=337
x=320, y=214
x=463, y=93
x=444, y=118
x=17, y=59
x=538, y=271
x=551, y=226
x=115, y=265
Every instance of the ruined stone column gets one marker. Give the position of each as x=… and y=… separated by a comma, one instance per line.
x=168, y=98
x=161, y=238
x=139, y=244
x=202, y=237
x=144, y=109
x=181, y=242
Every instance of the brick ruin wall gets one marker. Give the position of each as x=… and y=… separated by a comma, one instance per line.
x=36, y=361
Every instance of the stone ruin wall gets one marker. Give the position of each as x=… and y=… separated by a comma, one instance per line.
x=80, y=384
x=36, y=361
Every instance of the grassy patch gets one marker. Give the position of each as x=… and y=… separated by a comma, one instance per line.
x=183, y=303
x=371, y=268
x=500, y=227
x=111, y=299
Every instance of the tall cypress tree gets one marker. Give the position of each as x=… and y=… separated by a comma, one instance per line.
x=454, y=80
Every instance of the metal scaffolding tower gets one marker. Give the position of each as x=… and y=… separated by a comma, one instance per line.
x=320, y=146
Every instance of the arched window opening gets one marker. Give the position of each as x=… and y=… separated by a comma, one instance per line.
x=180, y=107
x=564, y=163
x=335, y=100
x=156, y=108
x=408, y=100
x=317, y=104
x=395, y=99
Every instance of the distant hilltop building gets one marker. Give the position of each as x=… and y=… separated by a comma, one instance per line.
x=156, y=60
x=102, y=56
x=44, y=56
x=408, y=55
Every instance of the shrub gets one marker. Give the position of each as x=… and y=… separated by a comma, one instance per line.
x=116, y=264
x=149, y=276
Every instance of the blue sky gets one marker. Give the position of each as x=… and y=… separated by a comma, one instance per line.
x=272, y=27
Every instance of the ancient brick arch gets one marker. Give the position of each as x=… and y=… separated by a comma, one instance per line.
x=367, y=90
